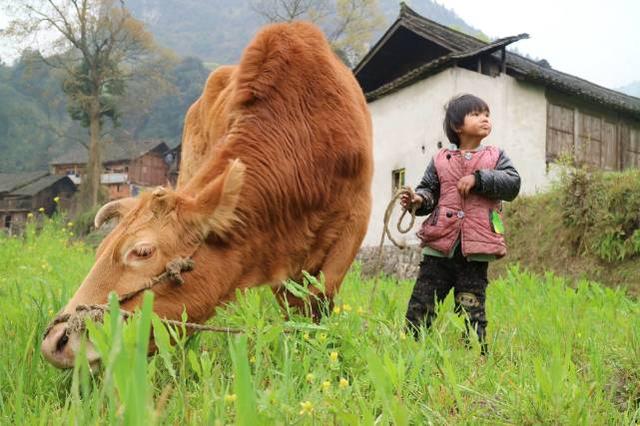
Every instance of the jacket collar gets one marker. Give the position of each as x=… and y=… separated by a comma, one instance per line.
x=454, y=147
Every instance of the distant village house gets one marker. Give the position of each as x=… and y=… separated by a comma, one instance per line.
x=32, y=192
x=128, y=168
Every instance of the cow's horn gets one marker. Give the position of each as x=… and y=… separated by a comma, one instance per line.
x=106, y=212
x=112, y=209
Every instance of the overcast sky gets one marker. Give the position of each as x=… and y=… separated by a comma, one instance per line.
x=595, y=40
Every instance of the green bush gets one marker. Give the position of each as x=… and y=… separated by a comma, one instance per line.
x=602, y=212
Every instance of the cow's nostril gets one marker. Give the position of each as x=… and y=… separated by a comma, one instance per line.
x=62, y=342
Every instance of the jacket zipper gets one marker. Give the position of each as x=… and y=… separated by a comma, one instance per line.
x=462, y=199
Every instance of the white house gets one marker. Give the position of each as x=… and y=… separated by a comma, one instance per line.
x=537, y=112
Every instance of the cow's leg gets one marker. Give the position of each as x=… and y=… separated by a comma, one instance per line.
x=338, y=260
x=333, y=260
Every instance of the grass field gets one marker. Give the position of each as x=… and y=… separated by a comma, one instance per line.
x=559, y=355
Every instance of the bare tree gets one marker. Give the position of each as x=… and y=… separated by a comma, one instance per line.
x=98, y=46
x=348, y=24
x=288, y=10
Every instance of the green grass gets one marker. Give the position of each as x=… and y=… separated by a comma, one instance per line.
x=559, y=355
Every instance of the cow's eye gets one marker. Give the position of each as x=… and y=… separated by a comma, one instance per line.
x=141, y=252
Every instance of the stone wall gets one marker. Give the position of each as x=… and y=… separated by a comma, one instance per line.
x=402, y=264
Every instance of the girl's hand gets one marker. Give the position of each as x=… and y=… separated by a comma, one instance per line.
x=408, y=203
x=465, y=184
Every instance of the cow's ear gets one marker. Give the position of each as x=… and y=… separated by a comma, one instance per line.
x=213, y=209
x=113, y=209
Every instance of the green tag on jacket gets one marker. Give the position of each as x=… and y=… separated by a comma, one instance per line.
x=496, y=222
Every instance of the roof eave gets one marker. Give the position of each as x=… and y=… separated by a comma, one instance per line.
x=376, y=47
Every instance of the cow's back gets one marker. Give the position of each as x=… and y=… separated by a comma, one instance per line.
x=298, y=120
x=205, y=123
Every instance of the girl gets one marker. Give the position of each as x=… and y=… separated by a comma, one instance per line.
x=462, y=190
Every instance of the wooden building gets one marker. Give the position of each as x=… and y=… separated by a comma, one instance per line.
x=538, y=113
x=24, y=193
x=128, y=167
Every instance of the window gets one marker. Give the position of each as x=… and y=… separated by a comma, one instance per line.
x=397, y=180
x=7, y=221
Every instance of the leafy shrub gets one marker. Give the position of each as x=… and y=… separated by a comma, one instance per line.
x=602, y=212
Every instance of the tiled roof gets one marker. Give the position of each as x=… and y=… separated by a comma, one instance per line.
x=39, y=185
x=113, y=152
x=11, y=181
x=437, y=64
x=28, y=183
x=465, y=45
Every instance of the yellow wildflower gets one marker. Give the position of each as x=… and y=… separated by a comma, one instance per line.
x=336, y=310
x=30, y=215
x=69, y=224
x=346, y=308
x=252, y=360
x=403, y=336
x=306, y=407
x=322, y=337
x=310, y=377
x=56, y=200
x=230, y=398
x=71, y=234
x=306, y=336
x=333, y=356
x=344, y=383
x=326, y=385
x=41, y=209
x=360, y=310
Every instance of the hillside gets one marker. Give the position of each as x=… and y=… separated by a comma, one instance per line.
x=34, y=123
x=35, y=126
x=217, y=31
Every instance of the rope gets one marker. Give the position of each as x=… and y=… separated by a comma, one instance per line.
x=76, y=322
x=173, y=270
x=386, y=232
x=387, y=218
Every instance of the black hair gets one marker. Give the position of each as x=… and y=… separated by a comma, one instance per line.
x=456, y=110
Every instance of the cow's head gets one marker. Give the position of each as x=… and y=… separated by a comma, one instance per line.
x=154, y=229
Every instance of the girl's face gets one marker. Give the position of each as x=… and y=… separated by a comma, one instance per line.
x=476, y=124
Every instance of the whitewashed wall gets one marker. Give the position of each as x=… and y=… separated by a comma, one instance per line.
x=406, y=121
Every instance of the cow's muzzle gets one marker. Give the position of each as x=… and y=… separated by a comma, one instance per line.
x=60, y=346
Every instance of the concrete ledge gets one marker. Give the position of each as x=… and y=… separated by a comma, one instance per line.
x=402, y=264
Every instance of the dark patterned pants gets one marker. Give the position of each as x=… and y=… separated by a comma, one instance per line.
x=436, y=278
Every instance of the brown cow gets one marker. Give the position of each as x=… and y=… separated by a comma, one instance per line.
x=276, y=180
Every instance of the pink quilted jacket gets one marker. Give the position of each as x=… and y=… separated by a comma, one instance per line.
x=470, y=218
